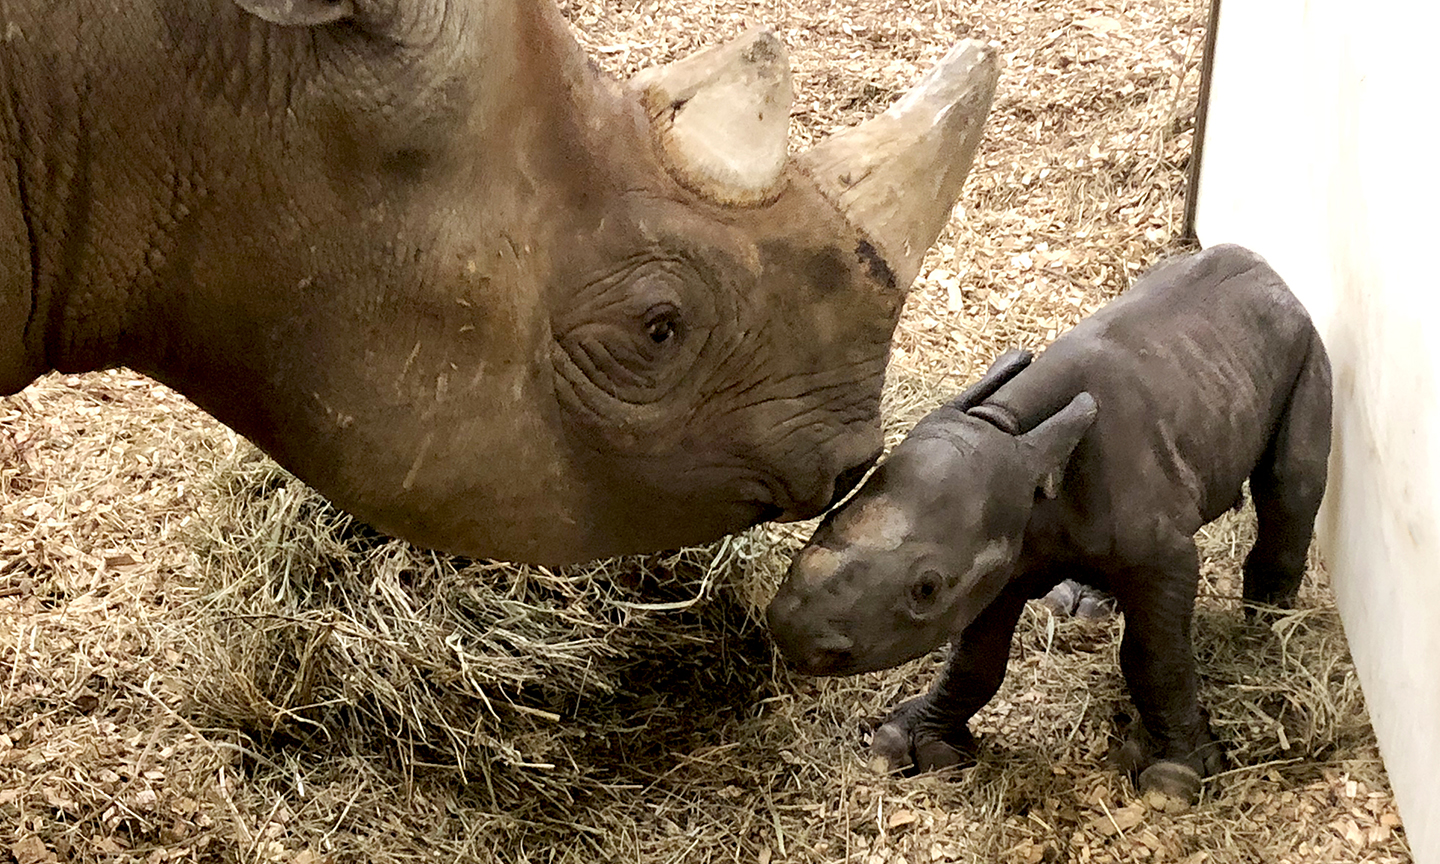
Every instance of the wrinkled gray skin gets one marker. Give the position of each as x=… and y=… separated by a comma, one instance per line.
x=1099, y=461
x=429, y=258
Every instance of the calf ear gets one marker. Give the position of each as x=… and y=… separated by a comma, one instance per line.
x=299, y=13
x=1005, y=367
x=1052, y=442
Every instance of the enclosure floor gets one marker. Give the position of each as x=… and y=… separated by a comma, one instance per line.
x=107, y=479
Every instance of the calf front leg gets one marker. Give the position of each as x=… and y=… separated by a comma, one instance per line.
x=930, y=731
x=1159, y=667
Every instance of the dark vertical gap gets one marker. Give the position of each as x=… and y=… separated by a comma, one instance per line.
x=1202, y=112
x=78, y=200
x=28, y=214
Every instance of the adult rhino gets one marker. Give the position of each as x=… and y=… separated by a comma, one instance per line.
x=480, y=295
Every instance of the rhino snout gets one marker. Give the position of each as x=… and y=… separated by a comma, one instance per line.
x=811, y=649
x=828, y=655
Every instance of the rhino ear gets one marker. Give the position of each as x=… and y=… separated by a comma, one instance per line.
x=299, y=13
x=1052, y=442
x=722, y=118
x=1005, y=367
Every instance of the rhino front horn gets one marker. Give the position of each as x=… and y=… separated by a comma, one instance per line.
x=897, y=177
x=722, y=117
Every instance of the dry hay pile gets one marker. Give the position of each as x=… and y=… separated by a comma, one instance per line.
x=527, y=682
x=201, y=661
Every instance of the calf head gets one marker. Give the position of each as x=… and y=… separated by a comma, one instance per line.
x=925, y=545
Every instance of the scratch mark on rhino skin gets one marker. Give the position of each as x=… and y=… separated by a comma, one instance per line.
x=513, y=249
x=419, y=458
x=992, y=556
x=409, y=361
x=341, y=419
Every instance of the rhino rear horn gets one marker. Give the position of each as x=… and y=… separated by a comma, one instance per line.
x=898, y=176
x=721, y=117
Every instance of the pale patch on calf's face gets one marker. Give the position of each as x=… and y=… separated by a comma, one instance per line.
x=989, y=570
x=875, y=525
x=817, y=565
x=992, y=556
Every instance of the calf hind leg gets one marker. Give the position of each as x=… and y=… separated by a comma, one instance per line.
x=1287, y=486
x=1159, y=666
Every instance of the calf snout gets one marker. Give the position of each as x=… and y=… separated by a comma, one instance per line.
x=809, y=649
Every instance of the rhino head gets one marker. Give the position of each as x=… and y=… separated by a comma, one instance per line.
x=477, y=293
x=925, y=545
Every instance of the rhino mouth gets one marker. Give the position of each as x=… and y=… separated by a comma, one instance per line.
x=849, y=480
x=825, y=662
x=845, y=483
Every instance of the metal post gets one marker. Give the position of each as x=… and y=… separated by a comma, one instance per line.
x=1202, y=111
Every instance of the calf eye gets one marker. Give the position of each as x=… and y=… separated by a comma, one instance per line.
x=925, y=590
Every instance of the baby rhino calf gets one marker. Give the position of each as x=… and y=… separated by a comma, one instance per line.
x=1098, y=461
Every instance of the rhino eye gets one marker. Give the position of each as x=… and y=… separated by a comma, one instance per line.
x=925, y=590
x=662, y=324
x=633, y=336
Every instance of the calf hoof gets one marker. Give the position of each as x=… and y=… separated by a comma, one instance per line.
x=890, y=750
x=1170, y=786
x=1129, y=756
x=1094, y=606
x=1072, y=599
x=906, y=743
x=937, y=755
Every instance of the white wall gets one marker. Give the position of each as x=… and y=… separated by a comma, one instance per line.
x=1322, y=154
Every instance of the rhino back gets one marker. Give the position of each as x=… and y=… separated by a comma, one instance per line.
x=1192, y=370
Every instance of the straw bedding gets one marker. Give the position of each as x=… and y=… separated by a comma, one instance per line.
x=200, y=660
